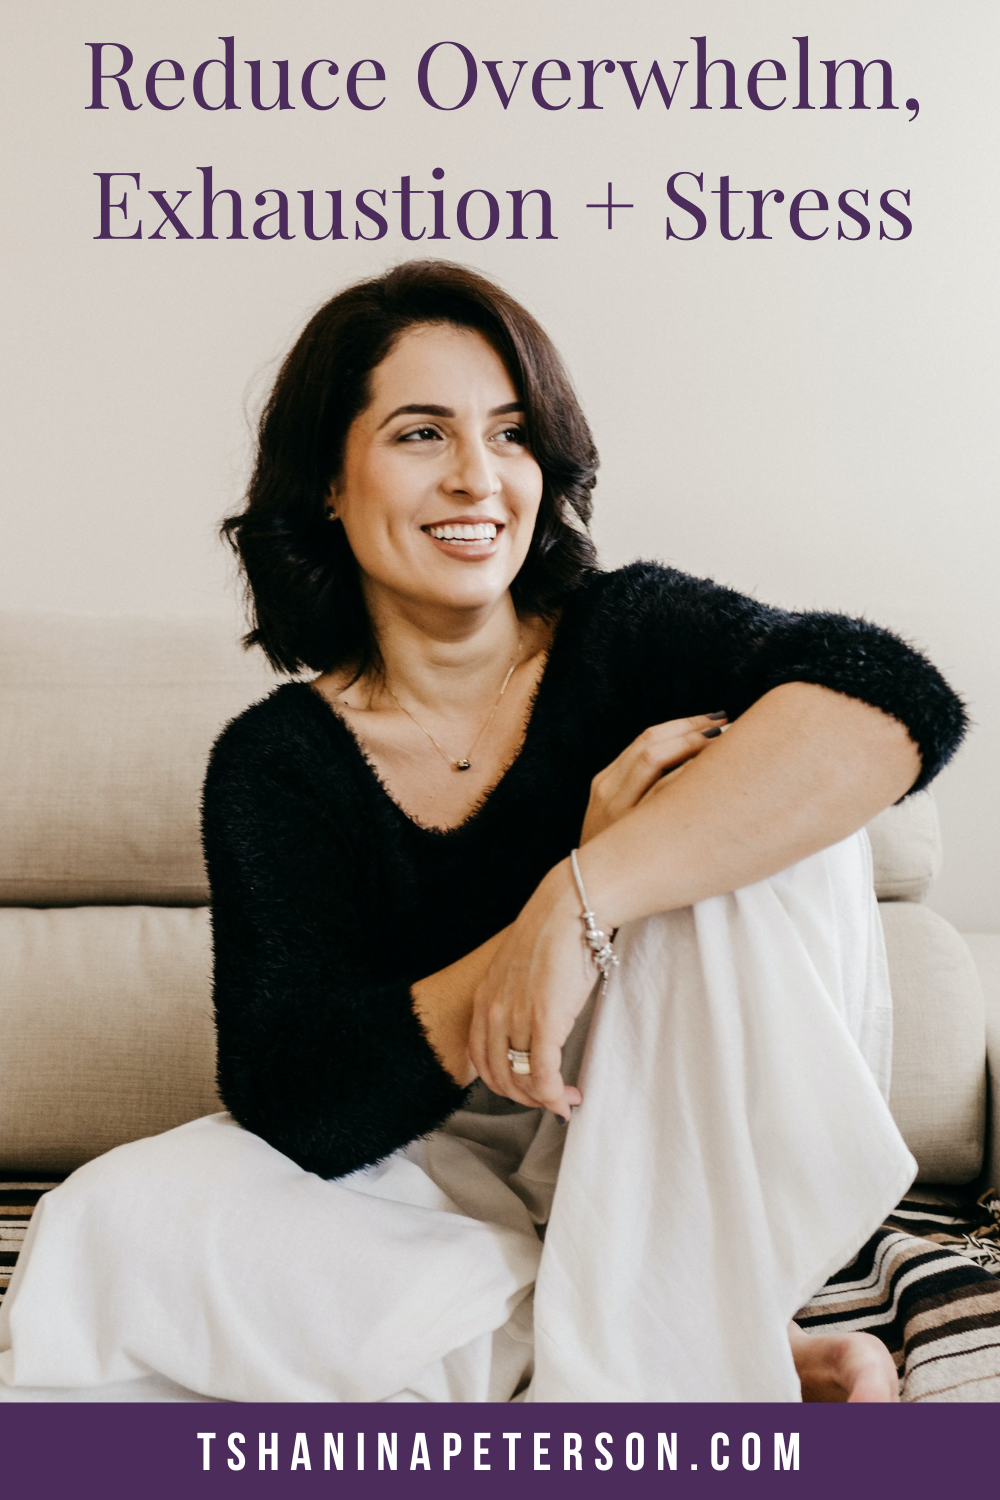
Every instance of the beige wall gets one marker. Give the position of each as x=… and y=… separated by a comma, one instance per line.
x=814, y=423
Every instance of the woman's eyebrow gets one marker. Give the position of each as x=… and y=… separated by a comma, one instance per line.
x=423, y=409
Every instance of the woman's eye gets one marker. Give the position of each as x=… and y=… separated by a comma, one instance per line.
x=514, y=433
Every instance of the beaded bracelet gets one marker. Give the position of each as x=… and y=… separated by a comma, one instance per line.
x=597, y=941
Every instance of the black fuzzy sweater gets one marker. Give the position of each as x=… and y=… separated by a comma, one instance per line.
x=328, y=901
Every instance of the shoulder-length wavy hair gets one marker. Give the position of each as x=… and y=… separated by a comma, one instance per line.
x=301, y=578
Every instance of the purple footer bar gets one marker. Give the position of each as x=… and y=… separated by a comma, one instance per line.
x=554, y=1450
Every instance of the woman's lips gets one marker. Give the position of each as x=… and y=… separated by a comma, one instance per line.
x=469, y=540
x=464, y=528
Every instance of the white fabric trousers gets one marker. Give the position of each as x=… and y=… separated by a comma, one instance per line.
x=733, y=1149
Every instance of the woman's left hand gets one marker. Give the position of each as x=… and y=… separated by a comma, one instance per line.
x=532, y=993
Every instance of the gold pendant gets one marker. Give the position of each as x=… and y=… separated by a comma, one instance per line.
x=463, y=765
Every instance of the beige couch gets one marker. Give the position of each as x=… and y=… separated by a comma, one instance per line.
x=105, y=1004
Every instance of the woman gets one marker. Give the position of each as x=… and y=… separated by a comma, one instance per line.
x=397, y=913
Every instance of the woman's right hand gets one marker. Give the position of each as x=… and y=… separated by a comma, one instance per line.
x=530, y=981
x=660, y=749
x=540, y=975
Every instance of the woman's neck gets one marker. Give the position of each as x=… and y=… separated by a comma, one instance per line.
x=445, y=662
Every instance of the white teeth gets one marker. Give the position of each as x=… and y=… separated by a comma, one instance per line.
x=482, y=531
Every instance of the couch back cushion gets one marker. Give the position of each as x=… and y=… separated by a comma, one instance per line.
x=107, y=1029
x=938, y=1094
x=906, y=848
x=105, y=729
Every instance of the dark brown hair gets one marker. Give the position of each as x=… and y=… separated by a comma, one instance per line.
x=301, y=578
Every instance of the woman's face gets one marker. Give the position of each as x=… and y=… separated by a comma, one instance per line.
x=439, y=492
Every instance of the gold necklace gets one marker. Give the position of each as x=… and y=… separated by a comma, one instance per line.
x=464, y=762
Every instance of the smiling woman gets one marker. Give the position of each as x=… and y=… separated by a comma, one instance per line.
x=409, y=962
x=304, y=584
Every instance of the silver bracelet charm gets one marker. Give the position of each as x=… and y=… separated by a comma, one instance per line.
x=597, y=941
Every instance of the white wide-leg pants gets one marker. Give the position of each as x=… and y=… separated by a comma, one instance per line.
x=732, y=1151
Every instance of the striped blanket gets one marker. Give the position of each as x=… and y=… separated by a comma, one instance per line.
x=926, y=1284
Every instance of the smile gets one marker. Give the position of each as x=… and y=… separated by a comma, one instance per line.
x=479, y=531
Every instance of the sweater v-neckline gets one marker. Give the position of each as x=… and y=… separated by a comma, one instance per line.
x=475, y=814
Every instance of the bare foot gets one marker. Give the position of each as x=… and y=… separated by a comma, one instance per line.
x=843, y=1366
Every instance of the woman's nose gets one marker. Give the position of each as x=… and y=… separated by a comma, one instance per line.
x=474, y=472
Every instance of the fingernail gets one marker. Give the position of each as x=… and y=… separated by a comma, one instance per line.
x=722, y=715
x=710, y=734
x=561, y=1121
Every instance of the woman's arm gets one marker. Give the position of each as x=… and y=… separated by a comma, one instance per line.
x=801, y=769
x=666, y=638
x=443, y=1006
x=316, y=1054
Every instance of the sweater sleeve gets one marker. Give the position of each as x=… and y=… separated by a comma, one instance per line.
x=327, y=1065
x=718, y=649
